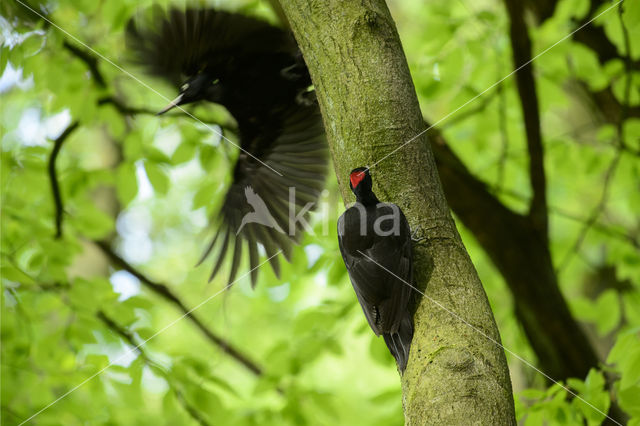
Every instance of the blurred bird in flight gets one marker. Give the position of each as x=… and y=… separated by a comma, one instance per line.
x=256, y=71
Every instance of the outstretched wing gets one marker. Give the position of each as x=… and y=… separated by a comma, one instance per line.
x=180, y=42
x=299, y=154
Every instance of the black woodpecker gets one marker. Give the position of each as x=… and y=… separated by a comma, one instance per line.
x=256, y=71
x=375, y=242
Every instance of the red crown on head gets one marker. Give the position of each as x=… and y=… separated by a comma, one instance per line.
x=356, y=178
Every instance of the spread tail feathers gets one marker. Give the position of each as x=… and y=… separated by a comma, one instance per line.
x=399, y=343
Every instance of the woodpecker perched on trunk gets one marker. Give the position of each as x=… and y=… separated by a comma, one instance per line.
x=256, y=71
x=375, y=242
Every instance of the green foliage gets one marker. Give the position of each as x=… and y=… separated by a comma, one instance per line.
x=565, y=404
x=151, y=184
x=625, y=357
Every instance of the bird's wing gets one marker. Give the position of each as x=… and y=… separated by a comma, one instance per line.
x=180, y=42
x=379, y=274
x=299, y=153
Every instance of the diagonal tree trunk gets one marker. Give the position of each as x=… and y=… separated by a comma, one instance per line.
x=370, y=109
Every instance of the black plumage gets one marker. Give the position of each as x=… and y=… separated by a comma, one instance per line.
x=256, y=71
x=375, y=242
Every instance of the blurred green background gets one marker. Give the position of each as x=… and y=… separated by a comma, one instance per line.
x=148, y=185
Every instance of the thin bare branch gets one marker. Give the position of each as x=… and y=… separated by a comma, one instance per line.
x=130, y=110
x=525, y=81
x=131, y=341
x=125, y=109
x=560, y=212
x=595, y=38
x=480, y=106
x=53, y=177
x=89, y=59
x=595, y=213
x=610, y=172
x=504, y=135
x=629, y=68
x=524, y=260
x=164, y=291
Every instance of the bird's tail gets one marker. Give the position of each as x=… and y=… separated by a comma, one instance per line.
x=399, y=343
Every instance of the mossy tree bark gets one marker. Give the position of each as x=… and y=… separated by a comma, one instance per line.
x=457, y=374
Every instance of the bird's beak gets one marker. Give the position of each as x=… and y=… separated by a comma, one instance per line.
x=174, y=103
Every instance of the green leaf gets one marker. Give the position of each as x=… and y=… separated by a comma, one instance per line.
x=155, y=155
x=204, y=195
x=91, y=295
x=625, y=354
x=620, y=89
x=532, y=394
x=126, y=183
x=183, y=153
x=91, y=221
x=630, y=400
x=158, y=177
x=607, y=311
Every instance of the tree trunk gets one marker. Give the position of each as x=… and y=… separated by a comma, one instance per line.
x=456, y=368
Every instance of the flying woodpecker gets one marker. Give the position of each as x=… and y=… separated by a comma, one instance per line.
x=256, y=71
x=375, y=242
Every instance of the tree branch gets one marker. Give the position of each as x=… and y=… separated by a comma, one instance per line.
x=504, y=135
x=521, y=50
x=129, y=110
x=595, y=38
x=131, y=341
x=610, y=172
x=524, y=260
x=92, y=62
x=89, y=59
x=480, y=106
x=125, y=109
x=629, y=68
x=597, y=210
x=53, y=177
x=608, y=105
x=163, y=291
x=600, y=227
x=160, y=289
